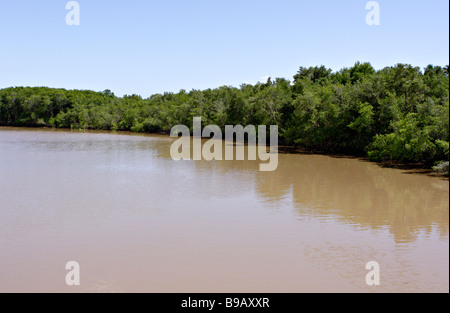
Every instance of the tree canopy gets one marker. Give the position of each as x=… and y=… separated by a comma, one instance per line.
x=397, y=113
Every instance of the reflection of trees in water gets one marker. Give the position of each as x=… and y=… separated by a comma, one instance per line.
x=351, y=190
x=321, y=186
x=362, y=193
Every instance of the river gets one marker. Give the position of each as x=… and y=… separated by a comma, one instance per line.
x=137, y=221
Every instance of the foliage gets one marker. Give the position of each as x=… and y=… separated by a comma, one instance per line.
x=442, y=168
x=398, y=113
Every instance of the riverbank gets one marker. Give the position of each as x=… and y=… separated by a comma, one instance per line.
x=413, y=168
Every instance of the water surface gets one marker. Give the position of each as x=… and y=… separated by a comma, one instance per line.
x=137, y=221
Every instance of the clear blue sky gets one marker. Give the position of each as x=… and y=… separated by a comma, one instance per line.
x=149, y=46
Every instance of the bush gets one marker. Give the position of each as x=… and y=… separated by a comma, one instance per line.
x=442, y=168
x=409, y=143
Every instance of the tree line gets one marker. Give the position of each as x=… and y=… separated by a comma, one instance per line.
x=399, y=113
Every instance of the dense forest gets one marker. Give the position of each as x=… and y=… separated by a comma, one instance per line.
x=399, y=113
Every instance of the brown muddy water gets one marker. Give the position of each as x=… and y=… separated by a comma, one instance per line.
x=137, y=221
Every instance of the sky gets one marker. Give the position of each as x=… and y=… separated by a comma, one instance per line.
x=146, y=47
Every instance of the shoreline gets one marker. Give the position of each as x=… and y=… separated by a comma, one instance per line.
x=412, y=168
